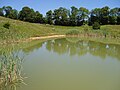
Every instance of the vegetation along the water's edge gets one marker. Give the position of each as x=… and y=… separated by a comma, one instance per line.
x=99, y=24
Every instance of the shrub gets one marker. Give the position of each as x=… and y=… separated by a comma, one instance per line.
x=86, y=28
x=73, y=32
x=6, y=25
x=96, y=25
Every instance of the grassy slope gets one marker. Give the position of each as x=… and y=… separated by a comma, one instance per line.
x=20, y=29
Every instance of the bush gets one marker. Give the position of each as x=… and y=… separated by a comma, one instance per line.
x=86, y=28
x=6, y=25
x=73, y=32
x=96, y=25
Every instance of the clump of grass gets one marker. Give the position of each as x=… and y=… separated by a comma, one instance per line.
x=6, y=25
x=10, y=70
x=73, y=32
x=86, y=28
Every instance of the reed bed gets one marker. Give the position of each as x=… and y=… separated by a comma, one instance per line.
x=10, y=70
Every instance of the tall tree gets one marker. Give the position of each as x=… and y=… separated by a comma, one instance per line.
x=61, y=16
x=118, y=16
x=24, y=14
x=13, y=14
x=105, y=15
x=95, y=16
x=56, y=15
x=49, y=17
x=38, y=17
x=82, y=15
x=7, y=10
x=64, y=16
x=113, y=16
x=1, y=12
x=73, y=16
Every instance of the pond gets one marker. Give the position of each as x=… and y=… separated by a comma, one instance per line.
x=71, y=64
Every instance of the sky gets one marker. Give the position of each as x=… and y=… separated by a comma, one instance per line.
x=45, y=5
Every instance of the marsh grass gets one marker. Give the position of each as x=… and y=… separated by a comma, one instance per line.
x=10, y=70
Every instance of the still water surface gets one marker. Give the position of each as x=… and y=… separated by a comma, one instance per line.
x=71, y=64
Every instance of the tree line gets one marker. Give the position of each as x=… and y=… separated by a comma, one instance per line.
x=65, y=17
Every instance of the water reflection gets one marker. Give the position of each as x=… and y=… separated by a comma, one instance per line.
x=73, y=63
x=75, y=46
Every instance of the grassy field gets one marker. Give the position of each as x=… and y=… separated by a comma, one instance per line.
x=22, y=30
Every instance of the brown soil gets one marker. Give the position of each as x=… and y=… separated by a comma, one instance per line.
x=46, y=37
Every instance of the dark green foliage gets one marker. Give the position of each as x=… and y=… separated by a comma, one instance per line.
x=7, y=10
x=118, y=20
x=6, y=25
x=94, y=16
x=73, y=32
x=113, y=16
x=118, y=16
x=60, y=16
x=28, y=14
x=112, y=20
x=65, y=17
x=73, y=16
x=38, y=18
x=1, y=12
x=25, y=14
x=104, y=16
x=96, y=25
x=13, y=14
x=49, y=17
x=82, y=14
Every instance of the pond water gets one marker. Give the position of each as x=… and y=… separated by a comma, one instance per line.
x=71, y=64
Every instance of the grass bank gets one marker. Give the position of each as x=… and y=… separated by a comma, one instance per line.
x=20, y=31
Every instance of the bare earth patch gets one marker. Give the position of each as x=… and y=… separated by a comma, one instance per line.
x=46, y=37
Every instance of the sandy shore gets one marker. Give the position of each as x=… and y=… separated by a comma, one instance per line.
x=46, y=37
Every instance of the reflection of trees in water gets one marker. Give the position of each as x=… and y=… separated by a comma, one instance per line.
x=10, y=69
x=26, y=47
x=32, y=46
x=57, y=46
x=80, y=47
x=97, y=49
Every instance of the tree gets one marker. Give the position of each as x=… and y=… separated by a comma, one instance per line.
x=28, y=14
x=82, y=15
x=94, y=16
x=104, y=16
x=49, y=17
x=13, y=14
x=38, y=17
x=25, y=14
x=7, y=10
x=118, y=17
x=113, y=16
x=61, y=16
x=73, y=16
x=1, y=12
x=31, y=16
x=56, y=15
x=64, y=16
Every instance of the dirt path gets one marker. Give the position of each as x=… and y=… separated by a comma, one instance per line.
x=46, y=37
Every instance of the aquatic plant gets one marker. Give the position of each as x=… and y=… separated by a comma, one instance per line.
x=10, y=70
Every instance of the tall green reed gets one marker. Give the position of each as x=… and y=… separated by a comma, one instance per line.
x=10, y=70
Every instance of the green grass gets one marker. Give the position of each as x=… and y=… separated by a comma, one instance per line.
x=19, y=30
